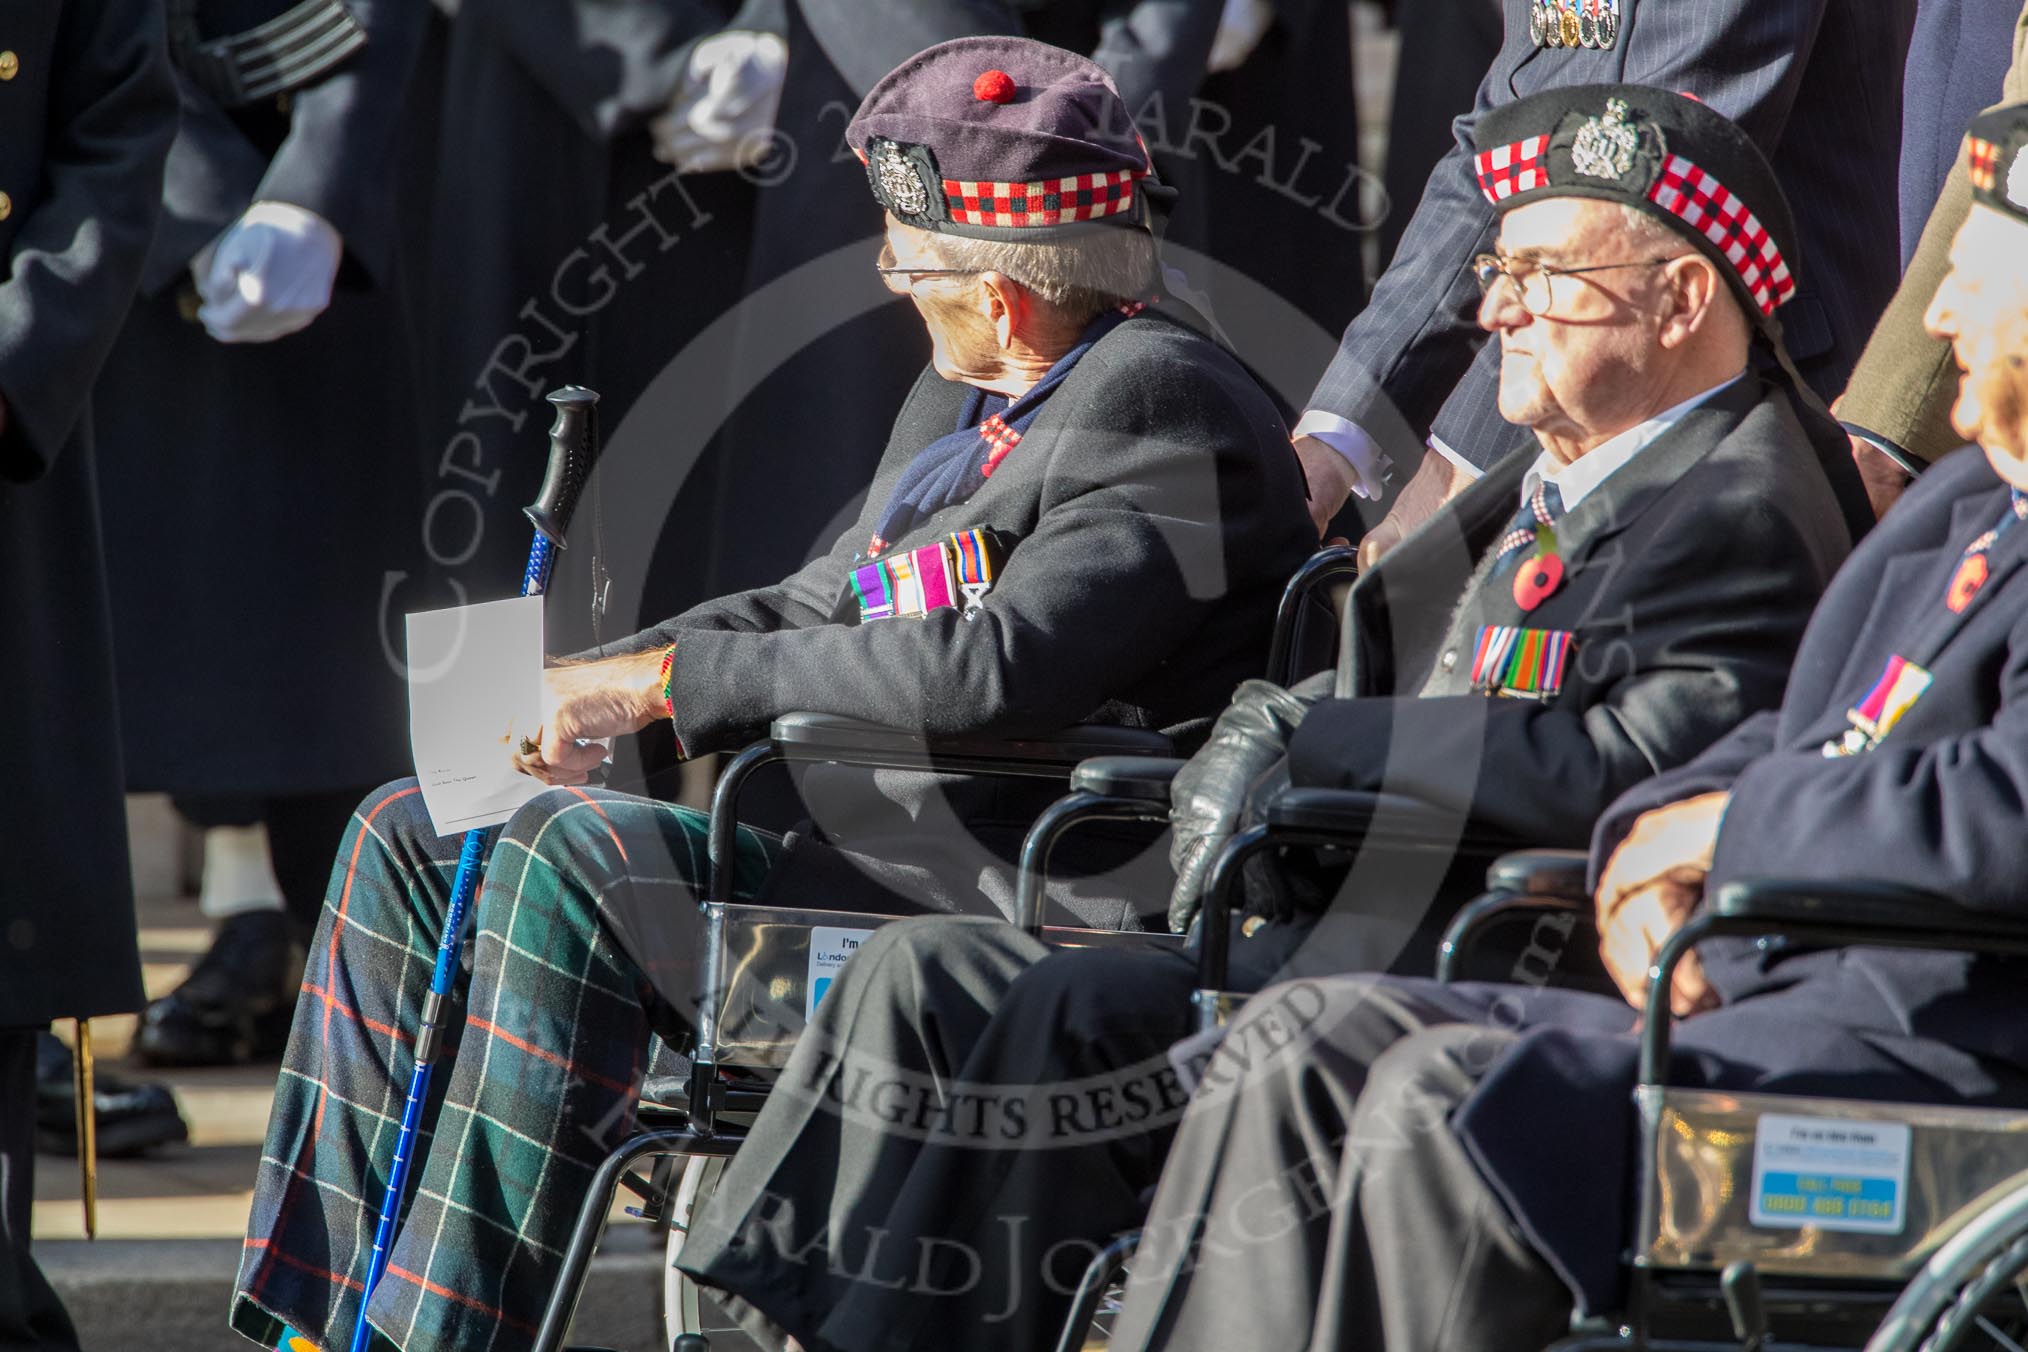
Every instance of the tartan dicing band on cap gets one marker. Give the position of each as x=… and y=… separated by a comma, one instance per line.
x=1666, y=154
x=1996, y=157
x=1709, y=207
x=1506, y=170
x=1002, y=138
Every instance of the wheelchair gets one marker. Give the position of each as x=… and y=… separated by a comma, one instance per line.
x=764, y=968
x=1719, y=1257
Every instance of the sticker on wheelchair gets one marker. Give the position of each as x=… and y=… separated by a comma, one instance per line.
x=830, y=948
x=1830, y=1173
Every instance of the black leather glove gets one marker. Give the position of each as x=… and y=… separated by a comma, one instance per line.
x=1210, y=792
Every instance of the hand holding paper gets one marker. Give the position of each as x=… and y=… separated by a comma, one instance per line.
x=583, y=701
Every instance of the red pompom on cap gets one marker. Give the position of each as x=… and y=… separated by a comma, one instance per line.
x=995, y=86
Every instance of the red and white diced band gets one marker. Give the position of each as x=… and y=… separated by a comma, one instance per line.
x=1685, y=191
x=1080, y=197
x=1509, y=169
x=1709, y=207
x=1982, y=160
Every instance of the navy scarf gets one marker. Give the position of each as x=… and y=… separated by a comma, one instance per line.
x=952, y=468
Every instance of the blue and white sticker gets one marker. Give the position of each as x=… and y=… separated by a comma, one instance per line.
x=1830, y=1173
x=830, y=948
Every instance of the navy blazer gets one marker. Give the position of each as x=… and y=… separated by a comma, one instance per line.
x=1818, y=87
x=1936, y=805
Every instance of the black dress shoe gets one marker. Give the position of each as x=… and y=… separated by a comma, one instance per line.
x=236, y=1004
x=132, y=1118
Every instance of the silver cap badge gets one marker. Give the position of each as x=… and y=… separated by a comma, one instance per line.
x=901, y=181
x=1605, y=145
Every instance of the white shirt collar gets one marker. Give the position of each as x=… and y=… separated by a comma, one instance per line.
x=1580, y=477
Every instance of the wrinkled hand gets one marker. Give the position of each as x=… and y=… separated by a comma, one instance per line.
x=1635, y=933
x=1332, y=480
x=1885, y=481
x=1436, y=482
x=584, y=701
x=1676, y=841
x=269, y=275
x=1210, y=792
x=1651, y=885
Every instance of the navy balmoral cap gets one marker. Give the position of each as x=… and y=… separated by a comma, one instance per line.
x=1002, y=138
x=1666, y=154
x=1996, y=154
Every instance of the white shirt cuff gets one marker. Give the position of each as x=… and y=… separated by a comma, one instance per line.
x=1442, y=448
x=1369, y=463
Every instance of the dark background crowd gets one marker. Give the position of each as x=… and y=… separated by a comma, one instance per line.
x=325, y=408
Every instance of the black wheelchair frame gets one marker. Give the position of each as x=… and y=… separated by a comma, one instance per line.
x=1926, y=1313
x=698, y=1125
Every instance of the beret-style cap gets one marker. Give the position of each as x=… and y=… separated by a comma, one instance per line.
x=1996, y=154
x=1663, y=153
x=1001, y=138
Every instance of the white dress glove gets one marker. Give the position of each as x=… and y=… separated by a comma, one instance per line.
x=268, y=275
x=1241, y=26
x=723, y=111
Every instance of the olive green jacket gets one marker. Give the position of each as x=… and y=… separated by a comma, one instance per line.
x=1906, y=381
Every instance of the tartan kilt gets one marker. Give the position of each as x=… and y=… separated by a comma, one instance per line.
x=584, y=937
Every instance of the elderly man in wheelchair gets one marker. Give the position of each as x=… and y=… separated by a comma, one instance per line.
x=970, y=1115
x=1821, y=1063
x=1085, y=513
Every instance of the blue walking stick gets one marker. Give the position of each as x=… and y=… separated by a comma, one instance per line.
x=573, y=446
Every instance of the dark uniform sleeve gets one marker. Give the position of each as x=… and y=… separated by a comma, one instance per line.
x=1697, y=659
x=1118, y=571
x=1944, y=817
x=338, y=159
x=1406, y=351
x=611, y=66
x=74, y=261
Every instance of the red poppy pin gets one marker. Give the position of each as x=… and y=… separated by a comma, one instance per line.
x=1538, y=577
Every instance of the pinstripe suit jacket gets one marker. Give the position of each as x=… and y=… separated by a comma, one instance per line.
x=1817, y=84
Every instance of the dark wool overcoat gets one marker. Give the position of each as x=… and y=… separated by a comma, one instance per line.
x=258, y=496
x=1152, y=514
x=89, y=111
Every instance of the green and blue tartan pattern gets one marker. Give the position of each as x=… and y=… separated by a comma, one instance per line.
x=545, y=1045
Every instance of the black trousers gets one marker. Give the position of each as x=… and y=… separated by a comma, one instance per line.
x=968, y=1118
x=1318, y=1201
x=32, y=1319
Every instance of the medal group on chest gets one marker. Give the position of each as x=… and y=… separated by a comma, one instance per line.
x=1574, y=23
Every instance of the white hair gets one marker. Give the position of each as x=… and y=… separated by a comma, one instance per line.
x=1080, y=274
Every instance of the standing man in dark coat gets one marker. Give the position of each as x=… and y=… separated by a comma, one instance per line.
x=1599, y=607
x=257, y=410
x=1085, y=512
x=1412, y=367
x=86, y=98
x=1456, y=1158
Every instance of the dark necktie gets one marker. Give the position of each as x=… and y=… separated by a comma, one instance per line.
x=1543, y=508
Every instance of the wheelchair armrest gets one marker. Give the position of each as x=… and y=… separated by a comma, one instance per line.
x=1550, y=875
x=1353, y=817
x=1538, y=881
x=1869, y=912
x=853, y=741
x=1862, y=914
x=1143, y=778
